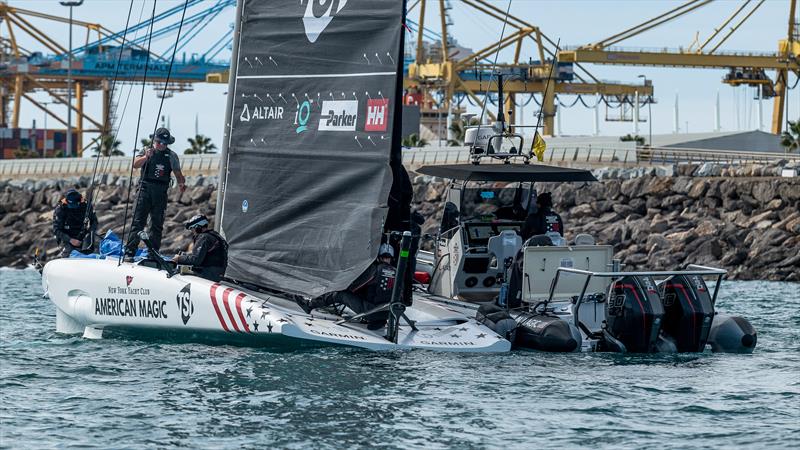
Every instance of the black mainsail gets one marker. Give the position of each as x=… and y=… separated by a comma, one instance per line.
x=305, y=172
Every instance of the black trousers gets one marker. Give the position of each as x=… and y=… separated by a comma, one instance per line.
x=152, y=202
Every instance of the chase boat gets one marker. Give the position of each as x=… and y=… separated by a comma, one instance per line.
x=551, y=295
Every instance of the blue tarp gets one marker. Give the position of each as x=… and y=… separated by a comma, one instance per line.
x=111, y=246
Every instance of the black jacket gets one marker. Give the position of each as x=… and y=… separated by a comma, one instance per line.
x=541, y=222
x=209, y=250
x=375, y=284
x=68, y=222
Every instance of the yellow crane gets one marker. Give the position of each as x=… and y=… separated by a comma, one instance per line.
x=446, y=74
x=744, y=68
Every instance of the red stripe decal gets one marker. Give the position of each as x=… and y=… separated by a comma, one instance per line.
x=225, y=295
x=216, y=307
x=239, y=310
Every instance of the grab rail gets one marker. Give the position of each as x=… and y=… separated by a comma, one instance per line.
x=692, y=269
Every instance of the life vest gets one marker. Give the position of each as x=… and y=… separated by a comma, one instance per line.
x=158, y=168
x=72, y=219
x=552, y=223
x=379, y=290
x=217, y=254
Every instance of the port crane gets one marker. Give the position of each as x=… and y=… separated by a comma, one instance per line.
x=744, y=68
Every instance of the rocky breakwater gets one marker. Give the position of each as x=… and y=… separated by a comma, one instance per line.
x=749, y=226
x=26, y=214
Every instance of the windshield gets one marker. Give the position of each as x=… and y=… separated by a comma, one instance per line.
x=492, y=201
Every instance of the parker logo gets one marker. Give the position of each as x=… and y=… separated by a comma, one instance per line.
x=318, y=16
x=261, y=113
x=185, y=305
x=128, y=280
x=377, y=114
x=340, y=115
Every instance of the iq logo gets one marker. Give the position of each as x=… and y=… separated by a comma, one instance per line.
x=301, y=117
x=377, y=114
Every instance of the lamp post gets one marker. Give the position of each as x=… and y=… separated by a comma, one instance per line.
x=71, y=4
x=649, y=113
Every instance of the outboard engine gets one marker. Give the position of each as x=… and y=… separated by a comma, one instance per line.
x=732, y=334
x=633, y=315
x=498, y=320
x=546, y=333
x=688, y=312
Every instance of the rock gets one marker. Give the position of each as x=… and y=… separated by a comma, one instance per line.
x=766, y=216
x=764, y=191
x=698, y=189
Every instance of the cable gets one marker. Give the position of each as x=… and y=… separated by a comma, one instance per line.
x=138, y=122
x=565, y=106
x=494, y=66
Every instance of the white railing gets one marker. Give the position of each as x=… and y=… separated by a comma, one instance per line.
x=412, y=158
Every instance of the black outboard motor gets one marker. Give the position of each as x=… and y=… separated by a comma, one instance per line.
x=688, y=312
x=633, y=314
x=546, y=333
x=732, y=334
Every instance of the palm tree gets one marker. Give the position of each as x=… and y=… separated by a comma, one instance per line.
x=459, y=129
x=413, y=140
x=108, y=146
x=200, y=145
x=146, y=143
x=790, y=139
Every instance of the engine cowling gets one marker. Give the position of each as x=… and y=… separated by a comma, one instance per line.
x=634, y=313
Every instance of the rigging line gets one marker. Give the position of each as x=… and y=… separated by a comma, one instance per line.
x=494, y=65
x=160, y=107
x=544, y=96
x=138, y=123
x=90, y=190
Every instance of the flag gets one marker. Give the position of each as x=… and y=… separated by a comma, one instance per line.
x=538, y=147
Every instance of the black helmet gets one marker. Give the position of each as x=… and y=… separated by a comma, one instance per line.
x=196, y=221
x=162, y=135
x=73, y=198
x=545, y=199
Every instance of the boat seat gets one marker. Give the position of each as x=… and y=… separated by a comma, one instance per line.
x=503, y=246
x=584, y=239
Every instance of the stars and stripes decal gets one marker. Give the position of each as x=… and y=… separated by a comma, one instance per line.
x=227, y=303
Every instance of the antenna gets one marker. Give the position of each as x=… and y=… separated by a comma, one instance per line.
x=544, y=94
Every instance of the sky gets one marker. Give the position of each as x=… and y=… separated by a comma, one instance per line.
x=574, y=22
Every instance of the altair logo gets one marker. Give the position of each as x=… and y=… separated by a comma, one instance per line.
x=341, y=115
x=261, y=113
x=318, y=15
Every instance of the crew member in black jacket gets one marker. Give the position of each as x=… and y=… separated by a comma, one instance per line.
x=543, y=220
x=158, y=163
x=370, y=290
x=209, y=256
x=68, y=222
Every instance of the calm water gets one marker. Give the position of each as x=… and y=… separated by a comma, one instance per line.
x=60, y=391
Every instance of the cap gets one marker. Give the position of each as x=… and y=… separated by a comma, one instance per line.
x=545, y=199
x=196, y=221
x=162, y=135
x=73, y=198
x=386, y=249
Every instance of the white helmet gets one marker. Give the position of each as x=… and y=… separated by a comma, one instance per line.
x=385, y=249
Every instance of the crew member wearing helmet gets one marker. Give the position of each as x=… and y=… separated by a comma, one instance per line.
x=370, y=290
x=544, y=220
x=157, y=164
x=69, y=222
x=209, y=256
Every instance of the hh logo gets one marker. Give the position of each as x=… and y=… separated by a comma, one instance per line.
x=318, y=15
x=185, y=305
x=377, y=114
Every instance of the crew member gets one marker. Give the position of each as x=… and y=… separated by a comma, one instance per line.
x=209, y=256
x=157, y=164
x=68, y=222
x=544, y=220
x=370, y=290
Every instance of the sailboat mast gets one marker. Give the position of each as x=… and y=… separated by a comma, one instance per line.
x=226, y=138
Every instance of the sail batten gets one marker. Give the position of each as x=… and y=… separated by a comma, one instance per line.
x=312, y=129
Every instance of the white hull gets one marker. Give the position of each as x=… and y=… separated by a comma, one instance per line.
x=92, y=295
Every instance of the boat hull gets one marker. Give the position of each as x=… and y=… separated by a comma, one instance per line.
x=92, y=296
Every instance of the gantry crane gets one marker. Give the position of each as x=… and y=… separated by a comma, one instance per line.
x=96, y=63
x=442, y=74
x=744, y=68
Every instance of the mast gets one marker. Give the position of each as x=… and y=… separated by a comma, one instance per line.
x=223, y=157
